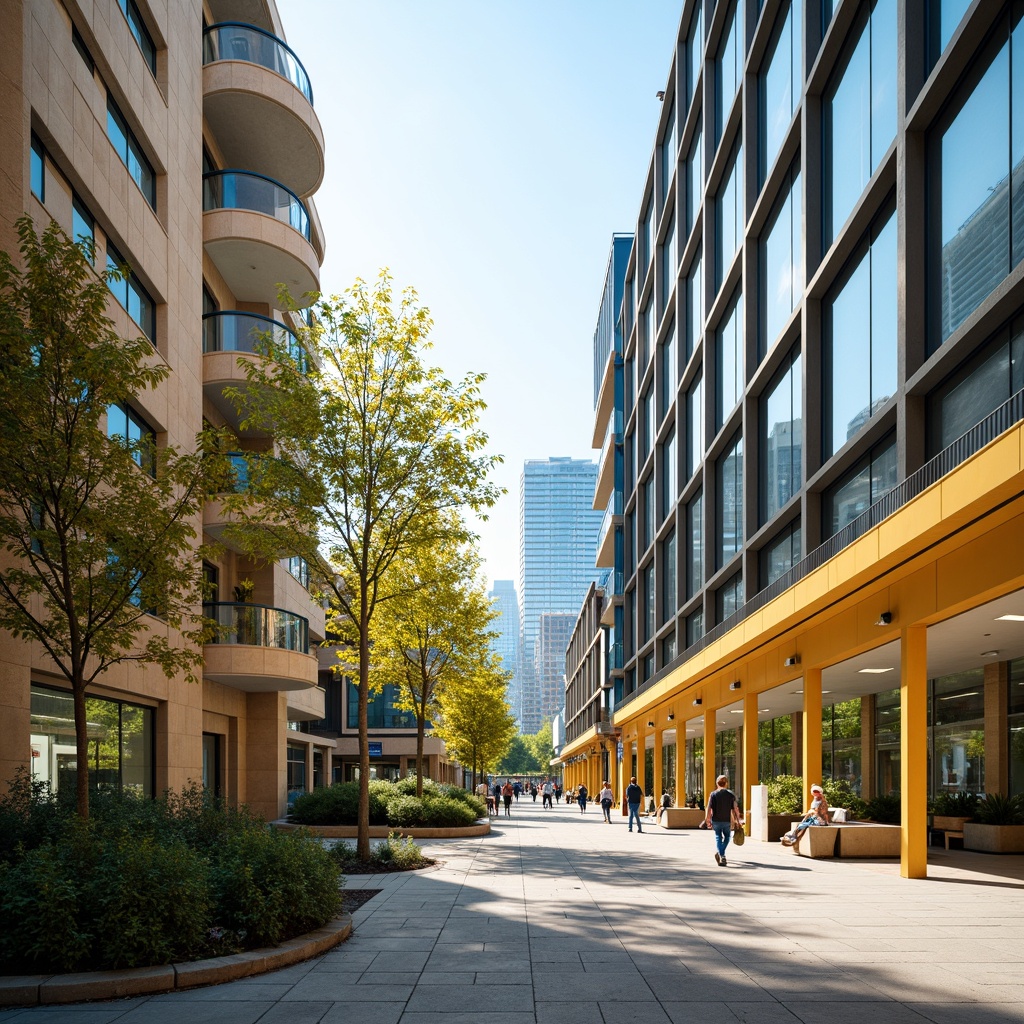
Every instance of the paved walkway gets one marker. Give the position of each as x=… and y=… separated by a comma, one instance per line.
x=557, y=918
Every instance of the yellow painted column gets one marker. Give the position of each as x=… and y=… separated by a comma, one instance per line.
x=681, y=764
x=641, y=758
x=656, y=785
x=914, y=752
x=750, y=749
x=811, y=750
x=623, y=773
x=710, y=765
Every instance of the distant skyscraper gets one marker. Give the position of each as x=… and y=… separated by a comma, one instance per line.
x=558, y=532
x=506, y=625
x=549, y=659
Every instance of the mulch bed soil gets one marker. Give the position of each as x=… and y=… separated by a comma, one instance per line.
x=353, y=899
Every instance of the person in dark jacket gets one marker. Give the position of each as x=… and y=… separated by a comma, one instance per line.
x=581, y=797
x=634, y=798
x=723, y=815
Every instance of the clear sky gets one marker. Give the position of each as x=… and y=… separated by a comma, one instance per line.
x=485, y=151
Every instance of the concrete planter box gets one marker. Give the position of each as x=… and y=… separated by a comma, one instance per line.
x=778, y=826
x=682, y=817
x=994, y=838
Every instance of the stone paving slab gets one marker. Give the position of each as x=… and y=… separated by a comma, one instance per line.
x=554, y=919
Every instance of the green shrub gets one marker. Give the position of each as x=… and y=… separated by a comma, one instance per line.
x=330, y=805
x=474, y=803
x=445, y=812
x=839, y=793
x=407, y=812
x=381, y=792
x=786, y=794
x=344, y=854
x=271, y=885
x=885, y=809
x=956, y=805
x=399, y=853
x=996, y=809
x=407, y=786
x=29, y=816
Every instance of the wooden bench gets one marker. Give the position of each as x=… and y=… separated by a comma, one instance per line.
x=682, y=817
x=951, y=826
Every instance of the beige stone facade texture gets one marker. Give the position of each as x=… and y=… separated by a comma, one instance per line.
x=49, y=90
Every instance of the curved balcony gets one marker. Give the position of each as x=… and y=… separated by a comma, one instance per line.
x=227, y=334
x=259, y=648
x=258, y=103
x=257, y=232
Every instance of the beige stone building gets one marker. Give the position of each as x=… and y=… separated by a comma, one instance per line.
x=182, y=138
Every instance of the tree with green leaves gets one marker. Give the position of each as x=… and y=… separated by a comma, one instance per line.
x=435, y=634
x=521, y=759
x=372, y=446
x=475, y=719
x=99, y=530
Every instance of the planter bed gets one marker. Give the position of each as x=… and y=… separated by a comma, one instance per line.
x=479, y=828
x=993, y=838
x=850, y=839
x=682, y=817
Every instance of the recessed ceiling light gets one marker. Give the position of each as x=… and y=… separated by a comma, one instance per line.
x=873, y=671
x=1010, y=618
x=988, y=654
x=762, y=711
x=735, y=712
x=957, y=696
x=826, y=691
x=797, y=691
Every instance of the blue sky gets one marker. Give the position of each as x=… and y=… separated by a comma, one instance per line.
x=485, y=152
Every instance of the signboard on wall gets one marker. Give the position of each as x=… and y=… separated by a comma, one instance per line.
x=618, y=751
x=376, y=749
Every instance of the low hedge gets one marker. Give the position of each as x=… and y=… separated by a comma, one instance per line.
x=149, y=882
x=391, y=803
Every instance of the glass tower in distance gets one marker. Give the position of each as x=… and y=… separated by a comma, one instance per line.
x=506, y=625
x=558, y=529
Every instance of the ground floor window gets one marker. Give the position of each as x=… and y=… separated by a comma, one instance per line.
x=296, y=771
x=668, y=768
x=775, y=747
x=120, y=743
x=841, y=744
x=391, y=772
x=211, y=763
x=693, y=772
x=1015, y=707
x=649, y=771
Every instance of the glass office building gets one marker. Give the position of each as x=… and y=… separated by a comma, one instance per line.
x=558, y=529
x=823, y=323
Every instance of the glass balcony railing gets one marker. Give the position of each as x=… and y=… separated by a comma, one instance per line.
x=234, y=40
x=258, y=625
x=233, y=331
x=243, y=190
x=615, y=656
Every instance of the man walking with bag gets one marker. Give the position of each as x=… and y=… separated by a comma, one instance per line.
x=634, y=798
x=723, y=816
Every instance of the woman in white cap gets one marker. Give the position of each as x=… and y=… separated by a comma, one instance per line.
x=816, y=814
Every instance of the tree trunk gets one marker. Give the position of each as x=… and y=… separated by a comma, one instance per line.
x=81, y=750
x=363, y=823
x=421, y=718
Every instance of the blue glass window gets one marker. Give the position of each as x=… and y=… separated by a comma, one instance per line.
x=694, y=305
x=729, y=597
x=38, y=169
x=730, y=502
x=668, y=150
x=668, y=577
x=135, y=433
x=978, y=183
x=695, y=180
x=83, y=227
x=694, y=53
x=781, y=264
x=781, y=554
x=668, y=475
x=695, y=426
x=649, y=598
x=138, y=29
x=731, y=53
x=860, y=338
x=869, y=480
x=695, y=546
x=130, y=152
x=729, y=361
x=669, y=266
x=944, y=17
x=128, y=290
x=781, y=437
x=780, y=84
x=860, y=114
x=729, y=215
x=667, y=371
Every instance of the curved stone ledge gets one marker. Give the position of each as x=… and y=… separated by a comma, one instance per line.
x=35, y=989
x=481, y=828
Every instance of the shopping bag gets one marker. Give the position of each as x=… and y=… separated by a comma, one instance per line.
x=737, y=836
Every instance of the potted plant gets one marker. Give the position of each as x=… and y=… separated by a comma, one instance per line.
x=998, y=825
x=785, y=804
x=953, y=810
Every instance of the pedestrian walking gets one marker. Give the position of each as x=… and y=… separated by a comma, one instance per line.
x=533, y=791
x=634, y=798
x=607, y=798
x=497, y=796
x=723, y=815
x=581, y=797
x=547, y=792
x=506, y=794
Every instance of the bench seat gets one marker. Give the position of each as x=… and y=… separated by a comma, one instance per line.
x=682, y=817
x=850, y=839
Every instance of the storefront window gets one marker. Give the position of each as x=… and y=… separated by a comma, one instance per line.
x=694, y=772
x=840, y=743
x=887, y=742
x=296, y=771
x=120, y=743
x=1015, y=707
x=668, y=770
x=775, y=748
x=957, y=733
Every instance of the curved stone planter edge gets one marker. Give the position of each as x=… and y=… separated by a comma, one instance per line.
x=481, y=828
x=35, y=989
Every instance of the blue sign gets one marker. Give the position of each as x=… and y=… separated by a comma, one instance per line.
x=618, y=751
x=376, y=749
